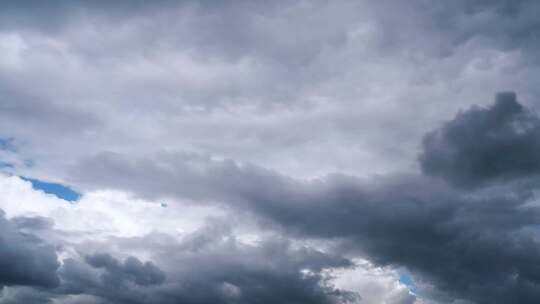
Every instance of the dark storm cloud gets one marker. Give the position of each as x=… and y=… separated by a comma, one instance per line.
x=463, y=242
x=220, y=269
x=481, y=145
x=480, y=245
x=27, y=295
x=209, y=266
x=131, y=270
x=24, y=258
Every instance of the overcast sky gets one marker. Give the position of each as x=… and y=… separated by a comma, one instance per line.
x=253, y=152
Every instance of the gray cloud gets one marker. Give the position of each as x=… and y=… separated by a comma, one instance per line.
x=504, y=25
x=25, y=259
x=55, y=16
x=248, y=80
x=209, y=266
x=482, y=145
x=132, y=270
x=32, y=223
x=20, y=294
x=99, y=93
x=464, y=241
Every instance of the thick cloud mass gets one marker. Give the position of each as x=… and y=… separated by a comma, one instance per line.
x=482, y=145
x=132, y=269
x=208, y=266
x=247, y=152
x=465, y=242
x=24, y=258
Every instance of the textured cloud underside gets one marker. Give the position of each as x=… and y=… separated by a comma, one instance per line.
x=258, y=152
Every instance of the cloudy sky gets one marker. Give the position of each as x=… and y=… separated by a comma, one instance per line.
x=253, y=152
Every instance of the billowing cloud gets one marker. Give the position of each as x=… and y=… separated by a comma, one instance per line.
x=219, y=261
x=482, y=145
x=464, y=242
x=208, y=266
x=253, y=152
x=132, y=269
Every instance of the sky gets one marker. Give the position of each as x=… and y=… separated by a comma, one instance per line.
x=253, y=152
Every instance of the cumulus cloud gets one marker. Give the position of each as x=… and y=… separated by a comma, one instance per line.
x=208, y=266
x=481, y=145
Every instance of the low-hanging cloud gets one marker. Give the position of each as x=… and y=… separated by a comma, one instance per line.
x=208, y=266
x=103, y=95
x=465, y=241
x=481, y=145
x=131, y=270
x=25, y=259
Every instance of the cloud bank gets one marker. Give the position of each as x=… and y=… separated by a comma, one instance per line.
x=249, y=152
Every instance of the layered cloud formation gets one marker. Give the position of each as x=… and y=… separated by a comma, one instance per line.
x=249, y=152
x=465, y=241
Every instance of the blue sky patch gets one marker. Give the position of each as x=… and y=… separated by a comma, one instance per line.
x=61, y=191
x=408, y=281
